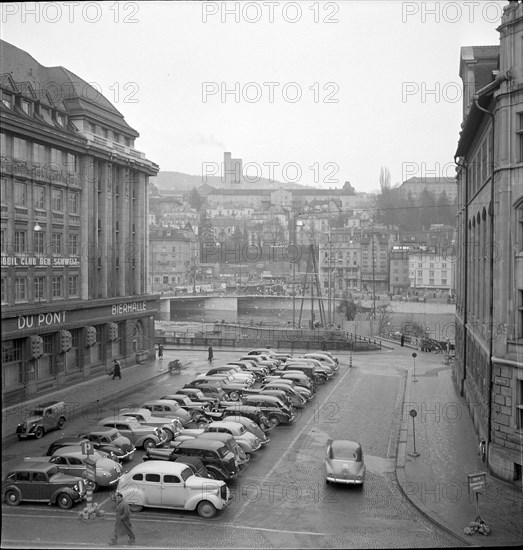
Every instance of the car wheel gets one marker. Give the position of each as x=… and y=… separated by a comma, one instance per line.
x=64, y=501
x=320, y=381
x=61, y=423
x=234, y=396
x=206, y=509
x=273, y=420
x=213, y=475
x=135, y=507
x=39, y=432
x=170, y=435
x=13, y=498
x=149, y=444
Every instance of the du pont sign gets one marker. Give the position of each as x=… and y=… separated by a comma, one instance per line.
x=41, y=320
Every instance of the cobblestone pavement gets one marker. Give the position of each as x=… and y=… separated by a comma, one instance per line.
x=435, y=482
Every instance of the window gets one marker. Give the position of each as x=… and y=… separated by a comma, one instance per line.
x=56, y=243
x=20, y=194
x=39, y=197
x=171, y=479
x=45, y=113
x=7, y=100
x=105, y=133
x=443, y=281
x=152, y=477
x=21, y=288
x=57, y=284
x=26, y=107
x=73, y=245
x=39, y=288
x=20, y=242
x=420, y=273
x=60, y=118
x=39, y=154
x=57, y=200
x=3, y=288
x=19, y=150
x=138, y=477
x=519, y=404
x=519, y=133
x=73, y=285
x=39, y=242
x=431, y=273
x=420, y=265
x=92, y=128
x=3, y=190
x=73, y=203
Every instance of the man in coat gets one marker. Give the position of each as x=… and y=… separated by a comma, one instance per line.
x=123, y=521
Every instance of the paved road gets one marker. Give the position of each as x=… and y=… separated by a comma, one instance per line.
x=281, y=499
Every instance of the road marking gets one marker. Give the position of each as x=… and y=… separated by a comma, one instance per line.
x=293, y=442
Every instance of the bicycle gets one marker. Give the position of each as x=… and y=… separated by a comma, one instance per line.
x=175, y=367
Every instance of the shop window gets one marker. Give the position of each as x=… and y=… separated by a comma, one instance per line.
x=12, y=362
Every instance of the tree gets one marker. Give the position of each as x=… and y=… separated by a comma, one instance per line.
x=388, y=201
x=348, y=308
x=195, y=199
x=383, y=318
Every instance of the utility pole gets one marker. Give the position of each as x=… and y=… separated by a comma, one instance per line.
x=373, y=278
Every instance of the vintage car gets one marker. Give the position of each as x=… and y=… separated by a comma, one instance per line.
x=279, y=393
x=161, y=484
x=272, y=353
x=324, y=359
x=38, y=481
x=111, y=441
x=212, y=391
x=240, y=456
x=300, y=390
x=231, y=374
x=250, y=366
x=245, y=439
x=76, y=441
x=72, y=461
x=230, y=389
x=273, y=408
x=197, y=395
x=253, y=413
x=298, y=400
x=249, y=425
x=172, y=409
x=218, y=459
x=43, y=418
x=139, y=434
x=262, y=361
x=171, y=426
x=173, y=402
x=196, y=465
x=344, y=462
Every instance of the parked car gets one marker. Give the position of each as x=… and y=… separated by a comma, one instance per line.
x=301, y=390
x=160, y=484
x=171, y=426
x=111, y=441
x=344, y=462
x=272, y=353
x=245, y=439
x=319, y=375
x=41, y=482
x=297, y=399
x=250, y=366
x=299, y=378
x=249, y=425
x=197, y=395
x=196, y=465
x=272, y=407
x=232, y=374
x=279, y=393
x=76, y=441
x=72, y=461
x=230, y=390
x=239, y=454
x=139, y=434
x=324, y=359
x=262, y=361
x=219, y=461
x=167, y=407
x=215, y=392
x=43, y=418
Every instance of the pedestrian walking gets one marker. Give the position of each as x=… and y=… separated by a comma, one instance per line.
x=117, y=370
x=482, y=450
x=123, y=521
x=324, y=346
x=211, y=354
x=402, y=340
x=160, y=352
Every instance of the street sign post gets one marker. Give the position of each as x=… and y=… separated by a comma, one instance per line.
x=413, y=415
x=414, y=355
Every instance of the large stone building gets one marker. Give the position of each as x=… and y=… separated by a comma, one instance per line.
x=489, y=308
x=74, y=231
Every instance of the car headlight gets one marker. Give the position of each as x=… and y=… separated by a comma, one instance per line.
x=105, y=474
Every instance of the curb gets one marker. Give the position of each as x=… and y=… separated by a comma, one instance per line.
x=402, y=480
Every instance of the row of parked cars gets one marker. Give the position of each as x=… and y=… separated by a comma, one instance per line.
x=236, y=406
x=196, y=439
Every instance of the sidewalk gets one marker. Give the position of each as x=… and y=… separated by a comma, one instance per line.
x=436, y=481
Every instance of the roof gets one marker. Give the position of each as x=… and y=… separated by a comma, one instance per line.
x=198, y=443
x=159, y=467
x=30, y=465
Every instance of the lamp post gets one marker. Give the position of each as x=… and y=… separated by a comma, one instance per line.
x=414, y=355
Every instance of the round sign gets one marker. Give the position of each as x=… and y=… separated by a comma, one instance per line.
x=413, y=413
x=414, y=355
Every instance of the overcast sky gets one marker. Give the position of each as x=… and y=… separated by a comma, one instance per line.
x=379, y=81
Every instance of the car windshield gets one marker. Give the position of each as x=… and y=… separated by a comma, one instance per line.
x=185, y=473
x=113, y=436
x=241, y=429
x=223, y=451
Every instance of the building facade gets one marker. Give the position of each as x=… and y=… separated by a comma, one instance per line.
x=489, y=310
x=73, y=231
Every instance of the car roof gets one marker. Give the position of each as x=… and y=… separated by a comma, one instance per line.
x=159, y=467
x=269, y=398
x=224, y=424
x=197, y=443
x=345, y=447
x=36, y=466
x=105, y=430
x=47, y=404
x=121, y=419
x=69, y=450
x=163, y=401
